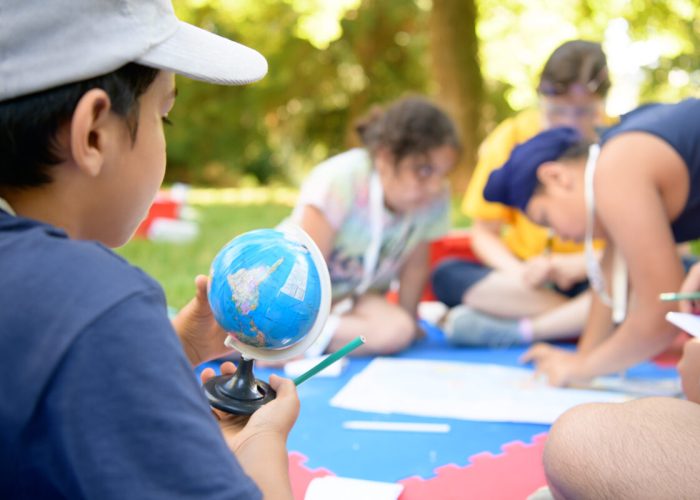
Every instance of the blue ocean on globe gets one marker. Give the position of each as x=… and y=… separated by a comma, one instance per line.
x=265, y=289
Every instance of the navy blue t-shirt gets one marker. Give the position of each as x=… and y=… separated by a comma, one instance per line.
x=679, y=125
x=97, y=398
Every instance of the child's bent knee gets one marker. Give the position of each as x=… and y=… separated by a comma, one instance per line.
x=396, y=335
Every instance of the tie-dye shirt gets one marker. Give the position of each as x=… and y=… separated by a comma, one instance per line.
x=339, y=187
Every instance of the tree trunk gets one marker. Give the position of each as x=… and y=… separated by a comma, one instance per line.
x=454, y=50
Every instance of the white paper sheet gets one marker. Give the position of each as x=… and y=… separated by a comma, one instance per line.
x=689, y=323
x=461, y=390
x=378, y=425
x=298, y=367
x=669, y=387
x=343, y=488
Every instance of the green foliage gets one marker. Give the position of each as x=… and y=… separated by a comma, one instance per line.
x=299, y=114
x=330, y=60
x=677, y=74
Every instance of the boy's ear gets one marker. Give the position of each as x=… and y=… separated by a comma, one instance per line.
x=91, y=131
x=555, y=174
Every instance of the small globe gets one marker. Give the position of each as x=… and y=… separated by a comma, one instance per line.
x=270, y=290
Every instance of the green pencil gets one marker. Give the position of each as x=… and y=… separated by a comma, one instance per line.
x=671, y=296
x=332, y=358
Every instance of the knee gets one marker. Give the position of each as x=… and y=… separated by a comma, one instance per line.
x=398, y=332
x=571, y=449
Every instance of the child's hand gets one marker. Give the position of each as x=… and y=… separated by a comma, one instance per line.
x=259, y=441
x=691, y=284
x=233, y=422
x=276, y=418
x=559, y=366
x=537, y=271
x=567, y=270
x=200, y=334
x=689, y=368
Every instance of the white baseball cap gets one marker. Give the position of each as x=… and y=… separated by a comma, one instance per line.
x=48, y=43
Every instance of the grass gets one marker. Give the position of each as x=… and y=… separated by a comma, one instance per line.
x=176, y=265
x=221, y=218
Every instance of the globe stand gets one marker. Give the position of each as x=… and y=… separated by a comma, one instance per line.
x=240, y=393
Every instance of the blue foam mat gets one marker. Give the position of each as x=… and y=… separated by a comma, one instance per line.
x=392, y=456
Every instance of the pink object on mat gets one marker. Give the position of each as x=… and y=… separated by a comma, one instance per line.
x=513, y=474
x=300, y=475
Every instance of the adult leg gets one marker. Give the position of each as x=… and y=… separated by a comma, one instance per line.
x=386, y=327
x=644, y=449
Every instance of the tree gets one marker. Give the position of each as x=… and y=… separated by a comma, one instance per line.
x=454, y=50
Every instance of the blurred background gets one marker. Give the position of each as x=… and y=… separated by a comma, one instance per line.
x=244, y=150
x=331, y=59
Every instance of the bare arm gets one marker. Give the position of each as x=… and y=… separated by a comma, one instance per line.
x=319, y=229
x=691, y=284
x=261, y=445
x=689, y=368
x=260, y=441
x=488, y=246
x=636, y=220
x=568, y=269
x=599, y=325
x=413, y=277
x=638, y=223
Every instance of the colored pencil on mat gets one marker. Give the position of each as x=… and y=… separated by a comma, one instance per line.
x=332, y=358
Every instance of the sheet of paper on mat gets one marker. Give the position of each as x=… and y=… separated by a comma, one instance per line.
x=689, y=323
x=342, y=488
x=669, y=387
x=298, y=367
x=465, y=391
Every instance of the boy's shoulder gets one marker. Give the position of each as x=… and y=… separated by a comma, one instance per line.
x=46, y=273
x=54, y=289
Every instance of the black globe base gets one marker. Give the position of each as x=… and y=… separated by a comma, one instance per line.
x=240, y=393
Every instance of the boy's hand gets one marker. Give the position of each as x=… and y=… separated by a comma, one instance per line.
x=560, y=366
x=691, y=284
x=234, y=423
x=200, y=334
x=259, y=441
x=272, y=421
x=689, y=368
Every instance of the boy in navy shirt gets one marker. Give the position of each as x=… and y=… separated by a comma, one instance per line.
x=99, y=397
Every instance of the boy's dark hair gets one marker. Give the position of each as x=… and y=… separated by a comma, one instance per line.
x=411, y=125
x=576, y=151
x=576, y=64
x=29, y=124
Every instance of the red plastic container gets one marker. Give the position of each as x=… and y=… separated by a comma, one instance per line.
x=455, y=245
x=163, y=206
